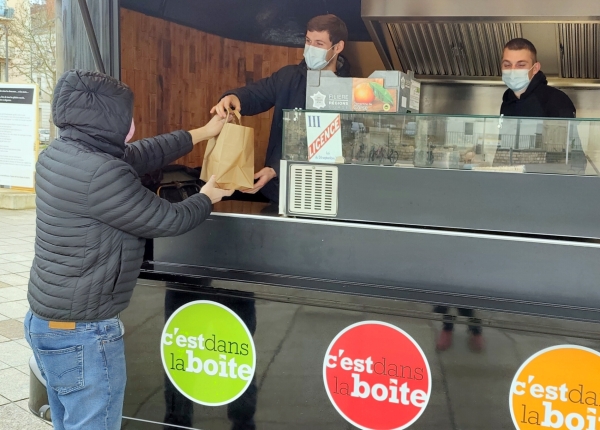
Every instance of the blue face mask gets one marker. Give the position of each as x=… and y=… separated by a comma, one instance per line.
x=516, y=79
x=316, y=58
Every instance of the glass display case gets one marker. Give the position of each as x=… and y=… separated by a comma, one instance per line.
x=494, y=143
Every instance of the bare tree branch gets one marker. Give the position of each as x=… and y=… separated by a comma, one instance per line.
x=32, y=37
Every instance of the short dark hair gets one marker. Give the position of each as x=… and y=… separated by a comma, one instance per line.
x=332, y=24
x=519, y=43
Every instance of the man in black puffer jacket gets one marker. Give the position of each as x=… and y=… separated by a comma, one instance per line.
x=93, y=216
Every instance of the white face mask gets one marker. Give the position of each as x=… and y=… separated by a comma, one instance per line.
x=316, y=58
x=516, y=79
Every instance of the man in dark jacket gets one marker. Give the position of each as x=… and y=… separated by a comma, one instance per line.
x=528, y=93
x=326, y=36
x=93, y=216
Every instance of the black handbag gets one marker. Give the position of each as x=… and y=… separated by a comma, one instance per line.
x=174, y=183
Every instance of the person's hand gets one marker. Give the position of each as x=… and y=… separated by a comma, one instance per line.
x=214, y=194
x=264, y=176
x=213, y=127
x=230, y=101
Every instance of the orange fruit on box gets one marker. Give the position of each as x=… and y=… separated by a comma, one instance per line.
x=363, y=93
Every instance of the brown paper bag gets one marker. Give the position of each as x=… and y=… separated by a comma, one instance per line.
x=230, y=156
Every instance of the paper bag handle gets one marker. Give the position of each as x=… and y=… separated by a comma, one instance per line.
x=236, y=113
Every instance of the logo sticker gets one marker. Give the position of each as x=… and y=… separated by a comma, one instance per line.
x=377, y=376
x=318, y=100
x=557, y=388
x=208, y=353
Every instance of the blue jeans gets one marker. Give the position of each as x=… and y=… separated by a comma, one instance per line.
x=84, y=369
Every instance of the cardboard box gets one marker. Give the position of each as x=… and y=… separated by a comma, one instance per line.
x=383, y=91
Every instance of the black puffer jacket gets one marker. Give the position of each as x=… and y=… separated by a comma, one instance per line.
x=92, y=211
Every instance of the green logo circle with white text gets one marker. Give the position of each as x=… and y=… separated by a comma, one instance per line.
x=208, y=353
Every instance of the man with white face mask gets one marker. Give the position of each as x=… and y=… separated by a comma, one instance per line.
x=326, y=36
x=528, y=93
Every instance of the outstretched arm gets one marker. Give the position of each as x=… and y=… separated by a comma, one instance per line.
x=148, y=155
x=256, y=97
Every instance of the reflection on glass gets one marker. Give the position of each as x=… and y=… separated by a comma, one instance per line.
x=179, y=409
x=526, y=145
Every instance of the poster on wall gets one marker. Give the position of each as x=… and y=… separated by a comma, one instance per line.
x=557, y=388
x=18, y=134
x=208, y=353
x=376, y=376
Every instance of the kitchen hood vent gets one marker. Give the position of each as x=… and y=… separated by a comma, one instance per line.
x=450, y=49
x=579, y=46
x=463, y=39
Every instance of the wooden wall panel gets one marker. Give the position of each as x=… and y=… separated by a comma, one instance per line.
x=177, y=74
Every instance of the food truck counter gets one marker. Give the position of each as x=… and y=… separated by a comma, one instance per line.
x=475, y=238
x=457, y=207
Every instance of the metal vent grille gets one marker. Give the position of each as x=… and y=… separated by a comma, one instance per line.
x=313, y=190
x=452, y=49
x=579, y=50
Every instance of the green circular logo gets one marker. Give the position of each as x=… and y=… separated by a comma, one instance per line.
x=208, y=353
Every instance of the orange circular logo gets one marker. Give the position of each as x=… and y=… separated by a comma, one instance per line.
x=557, y=388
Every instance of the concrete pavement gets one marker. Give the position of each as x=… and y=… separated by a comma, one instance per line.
x=17, y=233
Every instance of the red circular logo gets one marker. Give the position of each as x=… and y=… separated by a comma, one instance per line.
x=377, y=376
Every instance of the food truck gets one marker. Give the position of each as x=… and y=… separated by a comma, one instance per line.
x=393, y=226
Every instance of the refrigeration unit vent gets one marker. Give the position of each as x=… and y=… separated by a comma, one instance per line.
x=313, y=190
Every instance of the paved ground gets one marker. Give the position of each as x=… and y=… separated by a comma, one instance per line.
x=17, y=232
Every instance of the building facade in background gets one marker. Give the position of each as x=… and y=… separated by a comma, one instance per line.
x=32, y=51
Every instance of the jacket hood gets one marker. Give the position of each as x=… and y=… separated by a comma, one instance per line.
x=538, y=79
x=93, y=108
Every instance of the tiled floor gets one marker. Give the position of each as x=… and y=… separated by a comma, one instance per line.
x=17, y=233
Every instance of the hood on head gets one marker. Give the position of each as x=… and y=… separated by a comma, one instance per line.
x=94, y=108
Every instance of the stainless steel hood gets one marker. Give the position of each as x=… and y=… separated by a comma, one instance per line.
x=463, y=39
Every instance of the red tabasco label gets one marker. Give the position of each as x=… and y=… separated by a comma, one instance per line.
x=324, y=136
x=557, y=388
x=377, y=376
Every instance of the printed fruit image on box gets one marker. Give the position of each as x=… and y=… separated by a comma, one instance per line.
x=383, y=91
x=369, y=95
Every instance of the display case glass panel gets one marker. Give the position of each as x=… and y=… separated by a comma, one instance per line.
x=494, y=143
